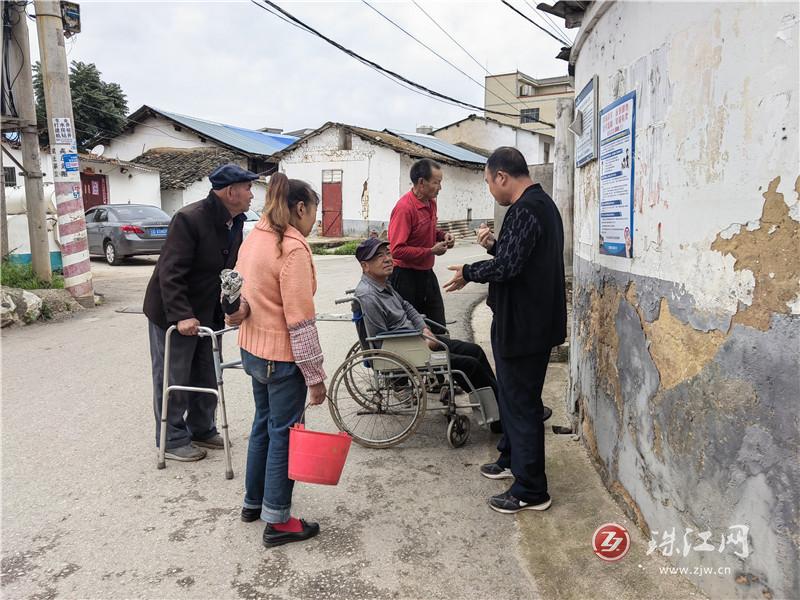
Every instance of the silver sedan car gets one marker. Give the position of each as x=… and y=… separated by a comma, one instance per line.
x=117, y=231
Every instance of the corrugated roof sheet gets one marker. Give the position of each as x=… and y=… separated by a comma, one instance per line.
x=246, y=140
x=450, y=150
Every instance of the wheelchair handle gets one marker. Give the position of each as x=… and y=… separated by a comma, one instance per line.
x=344, y=300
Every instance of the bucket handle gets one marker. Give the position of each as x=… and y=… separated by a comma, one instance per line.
x=302, y=420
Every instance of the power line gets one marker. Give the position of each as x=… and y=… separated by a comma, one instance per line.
x=534, y=23
x=301, y=27
x=424, y=45
x=374, y=65
x=475, y=60
x=553, y=26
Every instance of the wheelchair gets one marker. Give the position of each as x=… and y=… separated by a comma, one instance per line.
x=380, y=393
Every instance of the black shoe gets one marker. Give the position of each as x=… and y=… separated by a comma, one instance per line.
x=495, y=471
x=251, y=514
x=506, y=503
x=547, y=413
x=274, y=538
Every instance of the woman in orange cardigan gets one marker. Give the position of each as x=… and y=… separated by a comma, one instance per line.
x=280, y=350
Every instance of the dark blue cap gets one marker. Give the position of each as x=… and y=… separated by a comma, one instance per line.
x=367, y=249
x=228, y=175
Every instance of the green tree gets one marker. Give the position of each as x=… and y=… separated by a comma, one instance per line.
x=99, y=108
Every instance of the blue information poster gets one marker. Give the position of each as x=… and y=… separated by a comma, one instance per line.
x=617, y=145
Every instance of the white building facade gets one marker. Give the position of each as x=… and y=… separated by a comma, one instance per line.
x=372, y=171
x=489, y=134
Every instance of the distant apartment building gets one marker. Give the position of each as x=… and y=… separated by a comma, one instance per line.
x=530, y=100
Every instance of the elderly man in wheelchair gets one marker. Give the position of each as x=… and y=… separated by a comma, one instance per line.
x=379, y=394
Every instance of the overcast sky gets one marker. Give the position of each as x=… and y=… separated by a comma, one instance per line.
x=235, y=63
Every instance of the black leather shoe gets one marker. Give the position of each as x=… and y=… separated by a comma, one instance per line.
x=251, y=514
x=274, y=538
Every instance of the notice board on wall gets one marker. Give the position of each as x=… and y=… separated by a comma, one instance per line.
x=616, y=167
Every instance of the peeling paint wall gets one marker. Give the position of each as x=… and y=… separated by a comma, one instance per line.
x=387, y=175
x=685, y=360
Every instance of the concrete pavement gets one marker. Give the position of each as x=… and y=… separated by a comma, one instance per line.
x=86, y=514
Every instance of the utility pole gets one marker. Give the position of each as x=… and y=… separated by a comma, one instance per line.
x=3, y=212
x=64, y=150
x=31, y=159
x=564, y=175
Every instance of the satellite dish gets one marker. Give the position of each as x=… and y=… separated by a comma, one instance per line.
x=98, y=150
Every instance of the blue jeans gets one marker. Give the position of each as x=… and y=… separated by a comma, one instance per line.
x=280, y=399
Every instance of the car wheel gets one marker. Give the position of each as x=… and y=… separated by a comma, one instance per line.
x=112, y=257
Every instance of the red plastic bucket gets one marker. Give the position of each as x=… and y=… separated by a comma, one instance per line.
x=316, y=456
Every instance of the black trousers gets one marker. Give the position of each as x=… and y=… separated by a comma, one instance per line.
x=520, y=382
x=192, y=363
x=421, y=289
x=471, y=359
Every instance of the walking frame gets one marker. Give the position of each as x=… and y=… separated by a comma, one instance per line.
x=219, y=367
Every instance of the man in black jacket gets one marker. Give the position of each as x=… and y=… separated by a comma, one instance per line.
x=528, y=299
x=184, y=290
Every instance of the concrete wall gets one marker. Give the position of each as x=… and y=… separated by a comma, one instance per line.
x=153, y=132
x=463, y=193
x=684, y=359
x=385, y=173
x=488, y=135
x=135, y=186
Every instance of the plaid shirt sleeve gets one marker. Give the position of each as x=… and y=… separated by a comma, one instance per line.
x=307, y=351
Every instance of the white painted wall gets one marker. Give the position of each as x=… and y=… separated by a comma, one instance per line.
x=376, y=165
x=489, y=135
x=716, y=121
x=153, y=132
x=462, y=189
x=387, y=174
x=135, y=186
x=47, y=167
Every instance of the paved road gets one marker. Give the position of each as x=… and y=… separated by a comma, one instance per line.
x=86, y=513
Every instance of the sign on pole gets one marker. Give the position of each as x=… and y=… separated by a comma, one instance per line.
x=617, y=145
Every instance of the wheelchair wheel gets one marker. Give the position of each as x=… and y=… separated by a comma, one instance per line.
x=377, y=397
x=362, y=396
x=458, y=431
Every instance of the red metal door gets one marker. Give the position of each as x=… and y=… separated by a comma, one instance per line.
x=332, y=204
x=95, y=190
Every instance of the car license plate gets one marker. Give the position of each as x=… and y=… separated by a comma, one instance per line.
x=158, y=231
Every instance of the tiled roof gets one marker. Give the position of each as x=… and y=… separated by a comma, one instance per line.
x=444, y=154
x=181, y=167
x=239, y=139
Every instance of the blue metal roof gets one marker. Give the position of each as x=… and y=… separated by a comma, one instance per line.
x=442, y=147
x=246, y=140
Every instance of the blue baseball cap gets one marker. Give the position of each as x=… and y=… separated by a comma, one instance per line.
x=366, y=250
x=228, y=175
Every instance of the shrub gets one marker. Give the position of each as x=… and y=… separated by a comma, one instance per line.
x=348, y=248
x=20, y=275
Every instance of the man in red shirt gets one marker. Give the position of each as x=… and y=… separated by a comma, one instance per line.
x=414, y=241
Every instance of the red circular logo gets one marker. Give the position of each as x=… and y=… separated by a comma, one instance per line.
x=611, y=542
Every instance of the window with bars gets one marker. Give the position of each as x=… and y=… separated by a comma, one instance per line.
x=10, y=176
x=529, y=115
